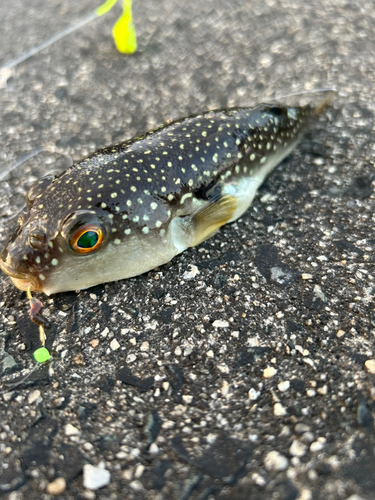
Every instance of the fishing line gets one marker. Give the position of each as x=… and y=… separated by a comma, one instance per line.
x=35, y=50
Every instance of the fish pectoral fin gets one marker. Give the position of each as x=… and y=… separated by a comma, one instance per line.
x=207, y=220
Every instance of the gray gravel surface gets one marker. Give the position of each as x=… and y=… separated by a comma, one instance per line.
x=251, y=376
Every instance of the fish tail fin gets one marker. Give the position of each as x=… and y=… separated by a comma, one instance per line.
x=316, y=99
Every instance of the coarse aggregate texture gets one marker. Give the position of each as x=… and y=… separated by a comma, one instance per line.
x=244, y=368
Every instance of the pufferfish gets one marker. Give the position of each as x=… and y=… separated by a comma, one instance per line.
x=133, y=206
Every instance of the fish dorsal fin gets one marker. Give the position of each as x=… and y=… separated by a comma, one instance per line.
x=207, y=220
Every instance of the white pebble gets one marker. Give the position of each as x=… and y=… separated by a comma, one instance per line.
x=253, y=394
x=95, y=478
x=154, y=449
x=275, y=461
x=258, y=479
x=318, y=445
x=145, y=346
x=57, y=487
x=269, y=372
x=114, y=345
x=136, y=485
x=188, y=275
x=283, y=386
x=370, y=366
x=279, y=410
x=220, y=323
x=70, y=430
x=105, y=332
x=187, y=399
x=33, y=396
x=139, y=471
x=297, y=449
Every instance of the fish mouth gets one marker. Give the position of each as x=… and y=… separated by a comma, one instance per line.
x=23, y=281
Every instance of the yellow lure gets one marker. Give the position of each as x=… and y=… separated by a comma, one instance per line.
x=123, y=31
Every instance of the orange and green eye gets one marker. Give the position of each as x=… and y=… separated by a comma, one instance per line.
x=87, y=238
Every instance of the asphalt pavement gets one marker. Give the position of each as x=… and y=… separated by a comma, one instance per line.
x=245, y=368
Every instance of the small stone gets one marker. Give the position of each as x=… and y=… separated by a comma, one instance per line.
x=307, y=276
x=318, y=445
x=70, y=430
x=114, y=345
x=370, y=366
x=95, y=478
x=269, y=372
x=340, y=334
x=220, y=323
x=364, y=416
x=105, y=332
x=189, y=275
x=187, y=399
x=279, y=410
x=283, y=386
x=94, y=343
x=266, y=60
x=131, y=358
x=308, y=437
x=57, y=487
x=139, y=471
x=253, y=394
x=154, y=449
x=311, y=393
x=322, y=390
x=169, y=424
x=127, y=474
x=223, y=368
x=258, y=479
x=275, y=461
x=305, y=495
x=7, y=361
x=225, y=388
x=136, y=485
x=210, y=353
x=301, y=428
x=297, y=449
x=33, y=396
x=145, y=346
x=88, y=495
x=7, y=396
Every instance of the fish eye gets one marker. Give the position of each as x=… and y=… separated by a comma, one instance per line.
x=87, y=238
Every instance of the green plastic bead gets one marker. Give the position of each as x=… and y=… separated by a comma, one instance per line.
x=41, y=355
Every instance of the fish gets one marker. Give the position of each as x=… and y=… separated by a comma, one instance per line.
x=131, y=207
